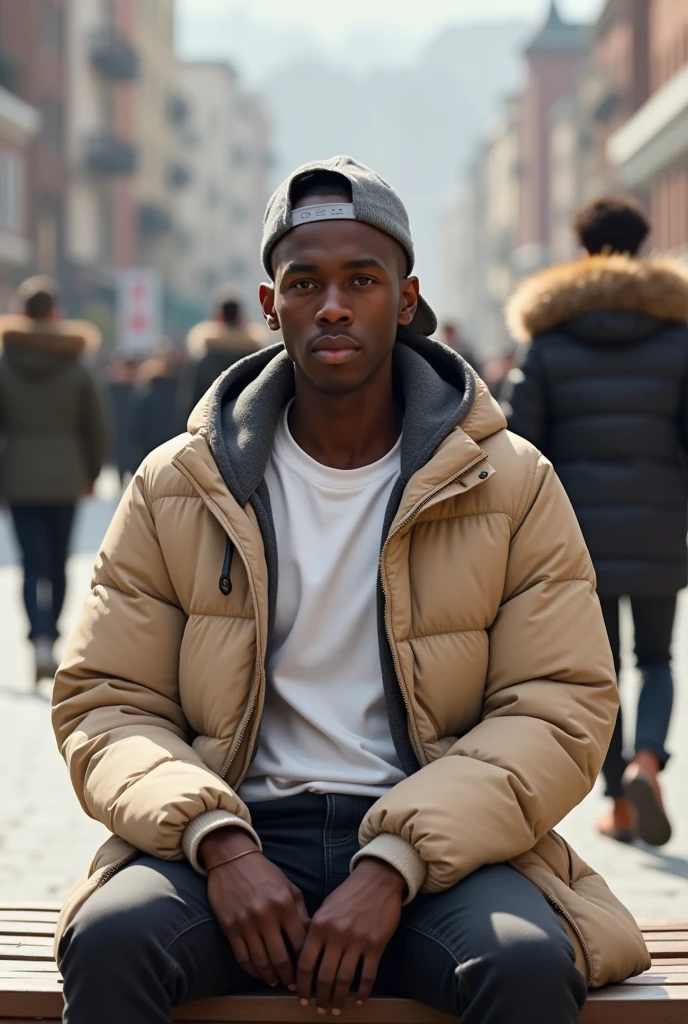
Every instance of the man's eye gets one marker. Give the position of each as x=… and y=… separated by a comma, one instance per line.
x=303, y=286
x=363, y=280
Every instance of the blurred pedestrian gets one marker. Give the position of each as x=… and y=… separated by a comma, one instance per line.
x=497, y=372
x=155, y=417
x=121, y=376
x=213, y=346
x=603, y=393
x=52, y=445
x=453, y=336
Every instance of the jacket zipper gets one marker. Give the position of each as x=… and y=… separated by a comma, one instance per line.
x=225, y=583
x=117, y=866
x=556, y=905
x=224, y=523
x=417, y=742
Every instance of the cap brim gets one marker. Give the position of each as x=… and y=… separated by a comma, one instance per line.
x=425, y=321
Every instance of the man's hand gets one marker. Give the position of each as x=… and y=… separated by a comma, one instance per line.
x=354, y=923
x=256, y=906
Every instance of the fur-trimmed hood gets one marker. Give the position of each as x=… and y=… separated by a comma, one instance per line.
x=656, y=289
x=215, y=336
x=41, y=348
x=66, y=337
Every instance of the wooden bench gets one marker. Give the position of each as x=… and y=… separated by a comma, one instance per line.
x=30, y=986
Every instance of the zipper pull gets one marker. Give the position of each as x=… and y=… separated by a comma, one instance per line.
x=225, y=581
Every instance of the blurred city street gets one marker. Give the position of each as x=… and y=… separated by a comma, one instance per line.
x=46, y=840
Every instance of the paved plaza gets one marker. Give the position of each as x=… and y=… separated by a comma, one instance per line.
x=46, y=840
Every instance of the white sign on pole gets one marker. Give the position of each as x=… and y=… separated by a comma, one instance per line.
x=139, y=309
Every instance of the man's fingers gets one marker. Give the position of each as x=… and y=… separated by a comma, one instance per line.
x=306, y=966
x=371, y=962
x=296, y=930
x=241, y=955
x=344, y=981
x=301, y=910
x=279, y=955
x=260, y=959
x=327, y=973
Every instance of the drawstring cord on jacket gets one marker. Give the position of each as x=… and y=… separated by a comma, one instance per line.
x=225, y=581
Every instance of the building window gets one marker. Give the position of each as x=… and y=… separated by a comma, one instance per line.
x=51, y=129
x=51, y=28
x=11, y=191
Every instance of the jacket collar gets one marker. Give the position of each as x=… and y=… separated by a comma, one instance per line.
x=657, y=290
x=439, y=391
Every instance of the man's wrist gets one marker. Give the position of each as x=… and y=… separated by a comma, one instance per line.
x=223, y=843
x=381, y=874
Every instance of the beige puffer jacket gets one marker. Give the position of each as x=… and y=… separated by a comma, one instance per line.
x=497, y=640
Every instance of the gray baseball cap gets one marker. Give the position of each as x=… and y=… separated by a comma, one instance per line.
x=374, y=202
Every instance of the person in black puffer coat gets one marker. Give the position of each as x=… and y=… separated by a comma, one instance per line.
x=603, y=392
x=213, y=346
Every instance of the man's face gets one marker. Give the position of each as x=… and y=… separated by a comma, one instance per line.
x=339, y=295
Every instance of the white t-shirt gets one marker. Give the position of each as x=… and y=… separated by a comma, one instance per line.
x=325, y=727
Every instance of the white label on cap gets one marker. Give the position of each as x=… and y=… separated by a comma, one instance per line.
x=327, y=211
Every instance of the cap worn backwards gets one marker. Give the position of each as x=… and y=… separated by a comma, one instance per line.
x=374, y=202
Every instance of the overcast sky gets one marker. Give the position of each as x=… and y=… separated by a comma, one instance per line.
x=259, y=34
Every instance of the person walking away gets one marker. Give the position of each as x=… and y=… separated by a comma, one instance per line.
x=452, y=336
x=262, y=705
x=52, y=445
x=215, y=345
x=120, y=376
x=603, y=392
x=155, y=416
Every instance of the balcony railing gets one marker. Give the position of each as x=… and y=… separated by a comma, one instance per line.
x=178, y=109
x=178, y=175
x=113, y=55
x=107, y=154
x=154, y=219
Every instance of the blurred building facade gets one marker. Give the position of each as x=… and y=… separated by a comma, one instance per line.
x=604, y=108
x=34, y=66
x=111, y=180
x=19, y=124
x=101, y=152
x=650, y=150
x=226, y=137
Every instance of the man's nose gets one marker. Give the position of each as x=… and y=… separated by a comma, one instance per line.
x=335, y=309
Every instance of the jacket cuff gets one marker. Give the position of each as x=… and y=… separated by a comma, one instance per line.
x=198, y=828
x=402, y=855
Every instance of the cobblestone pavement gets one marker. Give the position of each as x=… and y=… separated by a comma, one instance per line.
x=46, y=840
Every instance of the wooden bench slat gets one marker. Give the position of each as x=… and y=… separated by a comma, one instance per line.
x=48, y=916
x=25, y=951
x=10, y=928
x=52, y=905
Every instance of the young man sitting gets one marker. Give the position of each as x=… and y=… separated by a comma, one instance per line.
x=341, y=671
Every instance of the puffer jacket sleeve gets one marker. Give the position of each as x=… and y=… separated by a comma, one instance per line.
x=550, y=703
x=116, y=707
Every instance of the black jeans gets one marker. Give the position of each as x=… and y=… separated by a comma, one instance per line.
x=43, y=533
x=490, y=950
x=653, y=620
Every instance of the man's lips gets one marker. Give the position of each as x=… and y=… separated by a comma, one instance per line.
x=339, y=349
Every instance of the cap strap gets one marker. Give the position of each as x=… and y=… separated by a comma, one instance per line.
x=326, y=211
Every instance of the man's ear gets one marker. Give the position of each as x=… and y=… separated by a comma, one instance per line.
x=266, y=294
x=408, y=301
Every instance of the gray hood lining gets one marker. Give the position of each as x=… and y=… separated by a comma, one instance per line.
x=435, y=385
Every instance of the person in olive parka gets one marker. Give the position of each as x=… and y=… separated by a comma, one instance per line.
x=52, y=444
